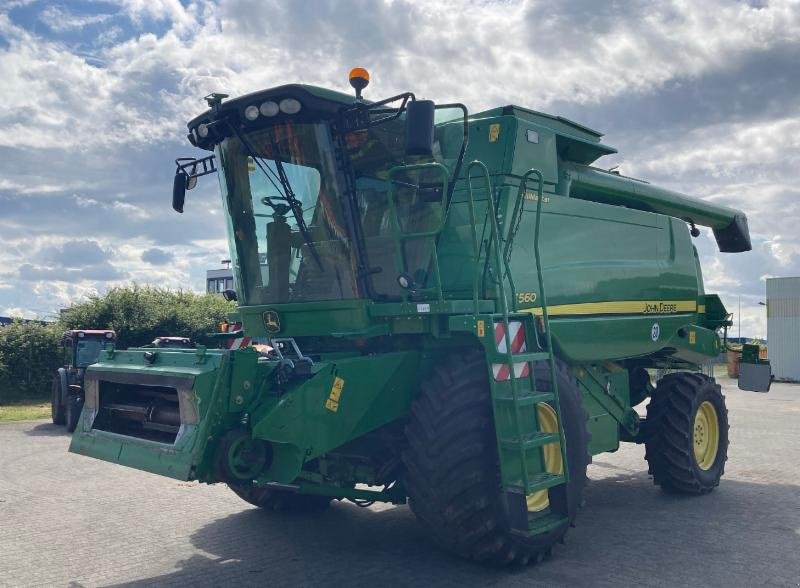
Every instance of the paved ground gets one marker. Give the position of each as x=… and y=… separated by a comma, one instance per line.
x=67, y=520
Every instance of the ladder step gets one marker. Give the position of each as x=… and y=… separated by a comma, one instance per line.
x=526, y=397
x=530, y=440
x=548, y=522
x=531, y=356
x=498, y=357
x=537, y=482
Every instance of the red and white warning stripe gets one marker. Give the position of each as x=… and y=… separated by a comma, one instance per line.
x=517, y=336
x=239, y=342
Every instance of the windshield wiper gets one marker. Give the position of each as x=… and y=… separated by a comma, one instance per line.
x=286, y=193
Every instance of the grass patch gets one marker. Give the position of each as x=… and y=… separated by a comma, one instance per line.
x=25, y=412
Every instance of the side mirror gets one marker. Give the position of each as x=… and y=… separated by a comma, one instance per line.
x=179, y=186
x=419, y=128
x=229, y=295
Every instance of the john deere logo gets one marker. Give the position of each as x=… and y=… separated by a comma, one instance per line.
x=272, y=322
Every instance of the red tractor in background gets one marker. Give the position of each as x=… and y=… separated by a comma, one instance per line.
x=82, y=348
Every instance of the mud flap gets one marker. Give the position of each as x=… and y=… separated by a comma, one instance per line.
x=755, y=377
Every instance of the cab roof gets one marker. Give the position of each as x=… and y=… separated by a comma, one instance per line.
x=89, y=332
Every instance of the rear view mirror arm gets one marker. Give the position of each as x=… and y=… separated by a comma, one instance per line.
x=188, y=169
x=190, y=165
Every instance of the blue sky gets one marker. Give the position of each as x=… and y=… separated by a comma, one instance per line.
x=698, y=97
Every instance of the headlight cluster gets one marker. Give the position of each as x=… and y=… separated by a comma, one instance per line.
x=271, y=108
x=203, y=132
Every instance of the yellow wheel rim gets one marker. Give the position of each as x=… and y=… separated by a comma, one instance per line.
x=706, y=435
x=553, y=464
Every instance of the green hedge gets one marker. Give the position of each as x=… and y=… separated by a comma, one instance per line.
x=30, y=352
x=29, y=355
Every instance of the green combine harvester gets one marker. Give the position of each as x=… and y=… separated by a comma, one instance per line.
x=452, y=310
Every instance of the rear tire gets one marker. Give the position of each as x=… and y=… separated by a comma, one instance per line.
x=73, y=412
x=686, y=433
x=56, y=408
x=280, y=500
x=453, y=474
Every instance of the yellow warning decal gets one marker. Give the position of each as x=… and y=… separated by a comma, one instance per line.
x=481, y=328
x=494, y=132
x=332, y=403
x=618, y=307
x=692, y=337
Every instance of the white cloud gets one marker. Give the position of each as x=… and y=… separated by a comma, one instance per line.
x=60, y=19
x=79, y=133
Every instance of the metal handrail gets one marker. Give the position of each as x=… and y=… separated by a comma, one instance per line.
x=545, y=313
x=400, y=237
x=497, y=262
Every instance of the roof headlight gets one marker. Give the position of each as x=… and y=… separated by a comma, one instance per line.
x=202, y=131
x=251, y=112
x=270, y=108
x=290, y=106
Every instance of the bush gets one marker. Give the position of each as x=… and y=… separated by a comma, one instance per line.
x=139, y=314
x=29, y=356
x=30, y=352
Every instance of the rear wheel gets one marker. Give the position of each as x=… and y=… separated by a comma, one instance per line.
x=686, y=433
x=72, y=413
x=280, y=500
x=453, y=474
x=56, y=408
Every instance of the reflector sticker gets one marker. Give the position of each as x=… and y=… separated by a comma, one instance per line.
x=517, y=336
x=239, y=343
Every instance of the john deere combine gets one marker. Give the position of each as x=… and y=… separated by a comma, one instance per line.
x=453, y=310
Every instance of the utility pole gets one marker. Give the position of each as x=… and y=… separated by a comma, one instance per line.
x=740, y=318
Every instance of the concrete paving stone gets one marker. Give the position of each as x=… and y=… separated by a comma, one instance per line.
x=66, y=520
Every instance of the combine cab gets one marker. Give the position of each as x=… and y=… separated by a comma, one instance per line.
x=454, y=310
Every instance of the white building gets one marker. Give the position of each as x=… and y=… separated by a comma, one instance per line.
x=783, y=327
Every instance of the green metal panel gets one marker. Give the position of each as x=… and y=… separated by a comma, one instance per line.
x=344, y=400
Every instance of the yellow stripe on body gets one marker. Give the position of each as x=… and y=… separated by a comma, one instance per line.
x=618, y=307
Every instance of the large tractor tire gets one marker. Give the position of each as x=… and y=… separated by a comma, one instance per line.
x=280, y=500
x=56, y=408
x=453, y=473
x=72, y=413
x=686, y=433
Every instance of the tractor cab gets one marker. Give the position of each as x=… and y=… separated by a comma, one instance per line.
x=82, y=348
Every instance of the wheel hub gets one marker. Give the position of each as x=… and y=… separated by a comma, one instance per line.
x=705, y=435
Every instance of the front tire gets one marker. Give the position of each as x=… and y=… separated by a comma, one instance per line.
x=686, y=433
x=453, y=473
x=73, y=412
x=56, y=408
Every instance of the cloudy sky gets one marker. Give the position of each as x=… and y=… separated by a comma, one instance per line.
x=701, y=97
